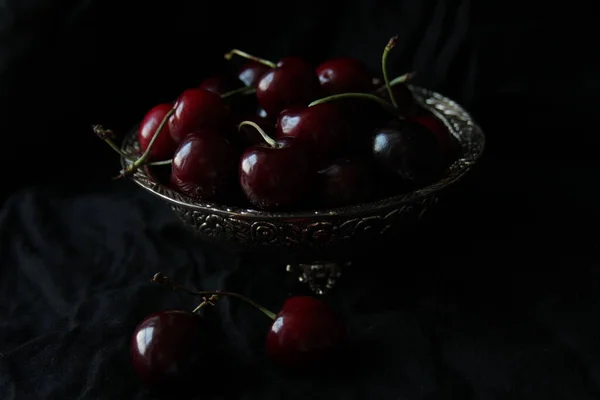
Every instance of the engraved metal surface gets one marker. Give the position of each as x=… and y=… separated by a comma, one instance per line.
x=250, y=229
x=320, y=276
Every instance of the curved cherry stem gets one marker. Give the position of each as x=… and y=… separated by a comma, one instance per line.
x=243, y=90
x=243, y=54
x=163, y=280
x=106, y=134
x=270, y=141
x=365, y=96
x=403, y=78
x=140, y=161
x=386, y=80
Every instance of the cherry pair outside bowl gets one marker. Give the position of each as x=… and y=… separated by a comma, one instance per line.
x=316, y=244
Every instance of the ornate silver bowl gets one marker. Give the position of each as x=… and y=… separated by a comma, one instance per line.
x=313, y=243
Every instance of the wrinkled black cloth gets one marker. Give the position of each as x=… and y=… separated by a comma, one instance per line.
x=497, y=297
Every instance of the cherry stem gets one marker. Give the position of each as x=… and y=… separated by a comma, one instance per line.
x=243, y=54
x=137, y=163
x=270, y=141
x=106, y=134
x=243, y=90
x=384, y=57
x=163, y=280
x=403, y=78
x=365, y=96
x=210, y=301
x=157, y=163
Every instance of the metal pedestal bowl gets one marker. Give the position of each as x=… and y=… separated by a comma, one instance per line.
x=317, y=244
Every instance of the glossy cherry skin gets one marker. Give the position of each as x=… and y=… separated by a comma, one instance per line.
x=305, y=331
x=292, y=83
x=344, y=182
x=408, y=150
x=251, y=72
x=197, y=109
x=164, y=146
x=204, y=166
x=170, y=348
x=447, y=144
x=221, y=84
x=277, y=177
x=322, y=127
x=344, y=75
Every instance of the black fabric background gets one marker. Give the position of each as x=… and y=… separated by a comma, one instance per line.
x=496, y=296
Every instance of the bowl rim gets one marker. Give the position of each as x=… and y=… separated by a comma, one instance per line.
x=468, y=134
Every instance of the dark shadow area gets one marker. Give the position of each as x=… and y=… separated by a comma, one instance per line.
x=493, y=295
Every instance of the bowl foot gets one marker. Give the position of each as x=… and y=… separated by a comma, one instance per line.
x=320, y=276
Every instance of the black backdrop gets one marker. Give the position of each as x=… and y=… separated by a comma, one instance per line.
x=505, y=308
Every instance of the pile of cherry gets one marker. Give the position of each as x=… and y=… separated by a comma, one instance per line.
x=287, y=136
x=174, y=348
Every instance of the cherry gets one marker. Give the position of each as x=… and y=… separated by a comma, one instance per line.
x=170, y=348
x=345, y=182
x=362, y=112
x=276, y=174
x=251, y=73
x=323, y=127
x=305, y=331
x=204, y=165
x=408, y=150
x=221, y=84
x=344, y=74
x=404, y=148
x=292, y=83
x=197, y=109
x=164, y=147
x=446, y=143
x=289, y=83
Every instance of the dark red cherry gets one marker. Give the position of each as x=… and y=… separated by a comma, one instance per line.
x=446, y=142
x=204, y=166
x=197, y=109
x=291, y=83
x=408, y=150
x=345, y=182
x=305, y=331
x=164, y=146
x=221, y=84
x=170, y=349
x=322, y=127
x=344, y=75
x=278, y=176
x=251, y=72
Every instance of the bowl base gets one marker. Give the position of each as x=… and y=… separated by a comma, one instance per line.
x=320, y=276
